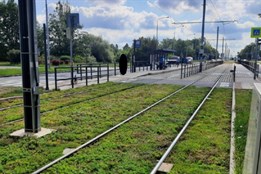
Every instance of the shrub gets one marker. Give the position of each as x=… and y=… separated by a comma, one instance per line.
x=14, y=56
x=55, y=62
x=78, y=59
x=65, y=58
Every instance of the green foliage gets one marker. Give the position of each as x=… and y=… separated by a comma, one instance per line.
x=65, y=58
x=9, y=29
x=243, y=101
x=14, y=56
x=248, y=52
x=148, y=46
x=185, y=48
x=59, y=44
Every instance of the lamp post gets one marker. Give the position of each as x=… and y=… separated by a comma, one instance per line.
x=157, y=28
x=47, y=34
x=256, y=55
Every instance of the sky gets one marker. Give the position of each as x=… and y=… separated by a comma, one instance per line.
x=122, y=21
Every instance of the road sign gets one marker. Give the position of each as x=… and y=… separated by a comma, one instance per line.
x=256, y=32
x=72, y=20
x=137, y=43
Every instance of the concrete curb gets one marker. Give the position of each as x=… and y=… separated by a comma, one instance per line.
x=232, y=138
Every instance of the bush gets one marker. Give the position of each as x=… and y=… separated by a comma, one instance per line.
x=78, y=59
x=65, y=58
x=14, y=56
x=55, y=62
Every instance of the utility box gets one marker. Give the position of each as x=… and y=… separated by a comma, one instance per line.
x=252, y=160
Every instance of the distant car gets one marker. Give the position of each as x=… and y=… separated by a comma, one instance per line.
x=189, y=59
x=175, y=60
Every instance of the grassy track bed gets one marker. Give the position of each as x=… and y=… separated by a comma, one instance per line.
x=135, y=147
x=57, y=102
x=10, y=92
x=243, y=104
x=205, y=146
x=51, y=95
x=74, y=126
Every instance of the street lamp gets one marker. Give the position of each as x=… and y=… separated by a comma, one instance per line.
x=157, y=29
x=259, y=15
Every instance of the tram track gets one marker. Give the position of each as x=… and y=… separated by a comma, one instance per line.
x=75, y=103
x=72, y=104
x=103, y=134
x=175, y=141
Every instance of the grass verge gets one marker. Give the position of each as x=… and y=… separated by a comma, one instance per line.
x=243, y=104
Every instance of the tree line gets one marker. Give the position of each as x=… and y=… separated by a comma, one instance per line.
x=249, y=52
x=88, y=48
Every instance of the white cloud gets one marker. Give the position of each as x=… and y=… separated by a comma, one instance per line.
x=40, y=19
x=121, y=21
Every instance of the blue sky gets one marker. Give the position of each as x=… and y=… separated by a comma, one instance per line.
x=121, y=21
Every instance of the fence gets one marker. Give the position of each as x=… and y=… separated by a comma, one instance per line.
x=250, y=66
x=83, y=72
x=191, y=69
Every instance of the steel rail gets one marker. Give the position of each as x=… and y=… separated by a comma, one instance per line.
x=165, y=155
x=44, y=99
x=10, y=98
x=111, y=129
x=10, y=107
x=69, y=105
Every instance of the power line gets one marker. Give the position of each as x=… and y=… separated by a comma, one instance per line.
x=197, y=22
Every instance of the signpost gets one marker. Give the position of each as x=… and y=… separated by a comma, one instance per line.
x=136, y=44
x=256, y=33
x=72, y=22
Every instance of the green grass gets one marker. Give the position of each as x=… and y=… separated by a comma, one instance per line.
x=132, y=148
x=136, y=146
x=8, y=64
x=243, y=104
x=59, y=99
x=73, y=125
x=10, y=92
x=204, y=148
x=10, y=72
x=16, y=72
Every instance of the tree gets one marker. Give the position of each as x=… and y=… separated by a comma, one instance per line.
x=59, y=44
x=248, y=52
x=148, y=46
x=9, y=28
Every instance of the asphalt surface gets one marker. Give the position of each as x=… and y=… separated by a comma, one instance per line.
x=244, y=78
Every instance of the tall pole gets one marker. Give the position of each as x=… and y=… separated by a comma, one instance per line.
x=30, y=76
x=202, y=35
x=256, y=57
x=46, y=58
x=157, y=29
x=157, y=33
x=71, y=46
x=217, y=42
x=47, y=34
x=223, y=48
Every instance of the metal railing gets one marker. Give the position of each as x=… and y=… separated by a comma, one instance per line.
x=83, y=72
x=187, y=70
